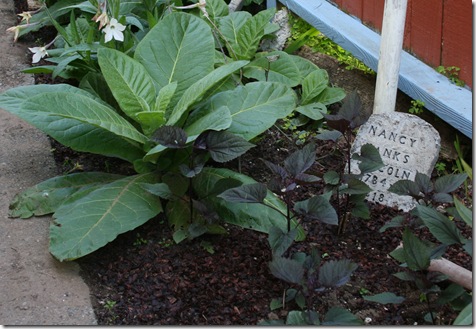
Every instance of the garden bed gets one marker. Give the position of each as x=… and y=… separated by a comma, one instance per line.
x=143, y=277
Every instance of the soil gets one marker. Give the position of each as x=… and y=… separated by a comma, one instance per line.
x=144, y=278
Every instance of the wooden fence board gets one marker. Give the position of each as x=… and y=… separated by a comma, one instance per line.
x=353, y=7
x=372, y=13
x=458, y=38
x=426, y=30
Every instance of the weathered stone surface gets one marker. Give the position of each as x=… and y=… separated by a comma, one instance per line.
x=407, y=145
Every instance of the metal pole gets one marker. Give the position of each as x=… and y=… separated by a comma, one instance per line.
x=391, y=43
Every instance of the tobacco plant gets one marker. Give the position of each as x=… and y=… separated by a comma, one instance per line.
x=179, y=76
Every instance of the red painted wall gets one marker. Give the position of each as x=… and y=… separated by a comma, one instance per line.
x=439, y=32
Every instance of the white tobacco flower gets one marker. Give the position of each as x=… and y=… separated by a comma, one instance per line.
x=15, y=30
x=25, y=16
x=38, y=53
x=114, y=30
x=103, y=19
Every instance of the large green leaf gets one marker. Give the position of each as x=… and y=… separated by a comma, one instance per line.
x=179, y=48
x=330, y=95
x=250, y=34
x=130, y=83
x=196, y=91
x=314, y=84
x=207, y=118
x=83, y=109
x=256, y=106
x=45, y=197
x=94, y=83
x=314, y=111
x=248, y=215
x=78, y=135
x=229, y=26
x=99, y=217
x=282, y=70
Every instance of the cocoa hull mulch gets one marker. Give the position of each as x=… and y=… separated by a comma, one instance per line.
x=143, y=277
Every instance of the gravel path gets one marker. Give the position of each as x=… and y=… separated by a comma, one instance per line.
x=35, y=289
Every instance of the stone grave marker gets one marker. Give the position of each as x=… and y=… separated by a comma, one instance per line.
x=407, y=144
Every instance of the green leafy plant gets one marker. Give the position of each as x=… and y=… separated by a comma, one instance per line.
x=175, y=78
x=440, y=167
x=302, y=33
x=417, y=107
x=452, y=73
x=348, y=187
x=161, y=86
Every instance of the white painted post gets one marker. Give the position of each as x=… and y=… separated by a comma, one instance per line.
x=391, y=43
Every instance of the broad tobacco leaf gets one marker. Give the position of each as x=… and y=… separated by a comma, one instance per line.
x=256, y=106
x=314, y=84
x=197, y=90
x=99, y=217
x=267, y=68
x=180, y=48
x=45, y=197
x=131, y=85
x=69, y=131
x=248, y=37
